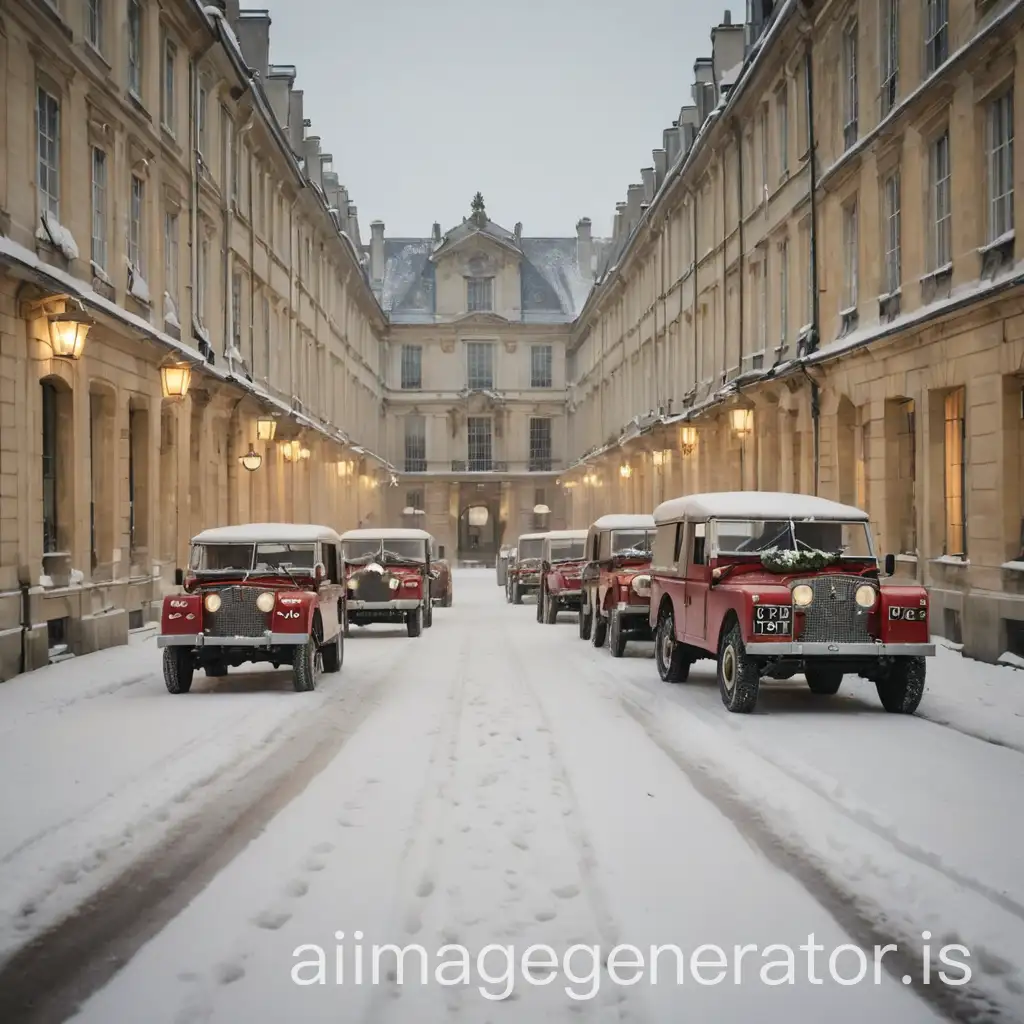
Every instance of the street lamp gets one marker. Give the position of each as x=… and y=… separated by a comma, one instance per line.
x=175, y=379
x=742, y=421
x=266, y=428
x=251, y=460
x=68, y=331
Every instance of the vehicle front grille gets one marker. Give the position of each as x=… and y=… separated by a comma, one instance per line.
x=372, y=586
x=834, y=615
x=237, y=615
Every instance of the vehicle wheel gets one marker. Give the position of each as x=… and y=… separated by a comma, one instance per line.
x=517, y=593
x=307, y=664
x=669, y=653
x=551, y=609
x=348, y=627
x=823, y=680
x=216, y=671
x=584, y=620
x=414, y=622
x=616, y=638
x=903, y=686
x=739, y=677
x=598, y=629
x=334, y=653
x=178, y=669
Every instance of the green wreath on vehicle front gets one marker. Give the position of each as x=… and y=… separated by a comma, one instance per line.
x=785, y=561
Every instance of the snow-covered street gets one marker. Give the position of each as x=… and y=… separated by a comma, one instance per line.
x=501, y=783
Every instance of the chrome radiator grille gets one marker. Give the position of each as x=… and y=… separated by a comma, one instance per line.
x=237, y=615
x=834, y=615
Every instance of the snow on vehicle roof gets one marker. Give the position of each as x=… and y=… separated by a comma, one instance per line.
x=270, y=533
x=566, y=535
x=386, y=533
x=531, y=536
x=624, y=522
x=755, y=505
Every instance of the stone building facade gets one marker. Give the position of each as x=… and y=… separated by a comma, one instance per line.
x=480, y=317
x=817, y=288
x=158, y=181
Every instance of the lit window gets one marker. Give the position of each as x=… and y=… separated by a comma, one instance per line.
x=955, y=473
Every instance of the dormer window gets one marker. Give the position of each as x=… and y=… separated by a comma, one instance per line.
x=479, y=294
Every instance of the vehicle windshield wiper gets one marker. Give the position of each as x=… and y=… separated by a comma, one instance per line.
x=393, y=558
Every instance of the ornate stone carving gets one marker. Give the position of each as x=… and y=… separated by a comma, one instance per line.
x=510, y=346
x=448, y=345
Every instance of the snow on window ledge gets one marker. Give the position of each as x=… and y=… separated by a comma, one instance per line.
x=52, y=231
x=946, y=268
x=997, y=243
x=170, y=312
x=100, y=274
x=137, y=286
x=950, y=560
x=1010, y=660
x=907, y=558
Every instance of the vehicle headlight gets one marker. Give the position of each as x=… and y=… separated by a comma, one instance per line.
x=212, y=602
x=866, y=596
x=265, y=602
x=803, y=595
x=393, y=583
x=352, y=584
x=641, y=584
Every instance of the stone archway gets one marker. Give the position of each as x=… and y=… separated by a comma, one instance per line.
x=479, y=543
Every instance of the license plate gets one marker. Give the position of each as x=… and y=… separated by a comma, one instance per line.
x=773, y=620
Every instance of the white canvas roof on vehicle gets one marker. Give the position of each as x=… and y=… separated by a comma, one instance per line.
x=566, y=535
x=624, y=522
x=755, y=505
x=386, y=533
x=269, y=533
x=531, y=536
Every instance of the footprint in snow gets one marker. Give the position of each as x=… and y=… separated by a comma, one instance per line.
x=273, y=919
x=545, y=915
x=312, y=864
x=297, y=887
x=566, y=892
x=425, y=888
x=229, y=972
x=346, y=823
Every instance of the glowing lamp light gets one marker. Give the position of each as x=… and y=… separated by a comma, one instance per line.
x=742, y=421
x=541, y=510
x=478, y=515
x=657, y=458
x=266, y=428
x=625, y=471
x=688, y=440
x=175, y=379
x=304, y=453
x=251, y=460
x=68, y=332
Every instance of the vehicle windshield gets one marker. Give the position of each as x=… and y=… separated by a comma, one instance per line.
x=377, y=549
x=632, y=543
x=753, y=536
x=530, y=548
x=263, y=557
x=565, y=550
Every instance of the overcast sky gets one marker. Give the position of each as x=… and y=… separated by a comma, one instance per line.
x=548, y=107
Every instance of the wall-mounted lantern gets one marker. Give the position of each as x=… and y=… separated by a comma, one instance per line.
x=304, y=453
x=266, y=428
x=478, y=515
x=688, y=440
x=251, y=460
x=541, y=510
x=625, y=471
x=742, y=421
x=68, y=331
x=175, y=379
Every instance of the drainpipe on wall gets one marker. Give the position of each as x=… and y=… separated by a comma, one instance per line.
x=812, y=338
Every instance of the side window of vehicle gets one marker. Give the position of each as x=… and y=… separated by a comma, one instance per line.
x=698, y=554
x=330, y=556
x=678, y=544
x=664, y=542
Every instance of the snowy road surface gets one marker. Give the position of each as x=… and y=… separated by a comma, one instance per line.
x=500, y=783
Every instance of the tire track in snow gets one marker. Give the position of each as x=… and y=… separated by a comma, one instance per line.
x=45, y=981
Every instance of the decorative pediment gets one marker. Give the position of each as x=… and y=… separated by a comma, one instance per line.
x=478, y=319
x=478, y=244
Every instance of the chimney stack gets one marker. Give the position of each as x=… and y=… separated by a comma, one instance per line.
x=660, y=167
x=278, y=85
x=436, y=233
x=647, y=174
x=253, y=31
x=620, y=221
x=518, y=232
x=377, y=253
x=634, y=196
x=311, y=155
x=585, y=248
x=296, y=121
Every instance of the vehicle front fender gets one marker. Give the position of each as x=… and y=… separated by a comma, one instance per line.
x=293, y=612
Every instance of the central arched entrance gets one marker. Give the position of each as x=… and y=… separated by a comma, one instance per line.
x=480, y=524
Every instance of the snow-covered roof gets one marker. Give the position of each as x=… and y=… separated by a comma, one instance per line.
x=531, y=536
x=755, y=505
x=624, y=522
x=566, y=535
x=270, y=533
x=386, y=533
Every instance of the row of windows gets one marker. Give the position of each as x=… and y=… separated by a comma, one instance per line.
x=479, y=448
x=479, y=366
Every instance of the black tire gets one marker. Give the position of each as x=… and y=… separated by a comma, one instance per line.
x=903, y=686
x=307, y=663
x=823, y=680
x=584, y=620
x=414, y=622
x=551, y=609
x=179, y=667
x=598, y=629
x=334, y=653
x=669, y=654
x=616, y=638
x=739, y=676
x=517, y=593
x=216, y=671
